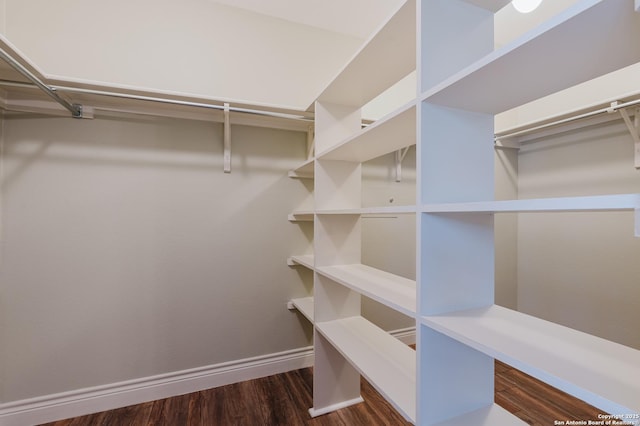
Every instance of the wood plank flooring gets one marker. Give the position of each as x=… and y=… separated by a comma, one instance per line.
x=284, y=399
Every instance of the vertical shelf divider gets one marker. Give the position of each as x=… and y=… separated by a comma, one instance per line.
x=337, y=241
x=455, y=253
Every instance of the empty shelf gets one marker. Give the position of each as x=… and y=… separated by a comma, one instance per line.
x=363, y=78
x=304, y=260
x=304, y=171
x=595, y=370
x=301, y=216
x=391, y=133
x=519, y=72
x=391, y=290
x=592, y=203
x=304, y=305
x=371, y=210
x=494, y=415
x=388, y=364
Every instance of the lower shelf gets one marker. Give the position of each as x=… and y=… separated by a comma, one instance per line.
x=493, y=415
x=304, y=305
x=597, y=371
x=388, y=364
x=305, y=260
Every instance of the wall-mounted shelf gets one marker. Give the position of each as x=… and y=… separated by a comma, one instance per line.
x=567, y=40
x=388, y=364
x=301, y=216
x=305, y=260
x=396, y=292
x=304, y=305
x=593, y=369
x=304, y=171
x=391, y=133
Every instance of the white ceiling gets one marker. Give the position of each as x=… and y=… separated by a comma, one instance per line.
x=358, y=18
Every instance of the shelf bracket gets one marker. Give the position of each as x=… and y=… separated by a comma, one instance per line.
x=400, y=154
x=227, y=140
x=311, y=143
x=634, y=129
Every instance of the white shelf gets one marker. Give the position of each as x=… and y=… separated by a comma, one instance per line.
x=492, y=5
x=304, y=171
x=301, y=216
x=494, y=415
x=391, y=133
x=371, y=210
x=600, y=372
x=304, y=305
x=388, y=364
x=565, y=204
x=364, y=77
x=306, y=260
x=582, y=42
x=396, y=292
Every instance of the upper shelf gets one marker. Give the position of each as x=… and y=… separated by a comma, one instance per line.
x=585, y=41
x=595, y=370
x=391, y=133
x=396, y=292
x=366, y=75
x=303, y=171
x=566, y=204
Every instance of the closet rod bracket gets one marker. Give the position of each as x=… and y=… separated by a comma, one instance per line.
x=227, y=139
x=400, y=154
x=634, y=129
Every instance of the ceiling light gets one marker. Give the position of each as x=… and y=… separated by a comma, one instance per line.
x=526, y=6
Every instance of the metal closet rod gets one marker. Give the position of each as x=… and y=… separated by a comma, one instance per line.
x=75, y=109
x=610, y=109
x=181, y=103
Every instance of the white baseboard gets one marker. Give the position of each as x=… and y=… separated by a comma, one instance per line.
x=80, y=402
x=92, y=400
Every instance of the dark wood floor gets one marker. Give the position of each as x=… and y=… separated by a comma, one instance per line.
x=284, y=399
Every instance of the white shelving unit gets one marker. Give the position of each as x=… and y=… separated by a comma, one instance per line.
x=347, y=345
x=462, y=84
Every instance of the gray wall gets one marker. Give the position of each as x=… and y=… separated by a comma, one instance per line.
x=389, y=241
x=127, y=252
x=581, y=269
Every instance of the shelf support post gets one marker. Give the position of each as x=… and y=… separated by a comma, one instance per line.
x=634, y=129
x=227, y=140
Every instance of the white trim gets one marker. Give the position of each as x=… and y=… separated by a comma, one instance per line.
x=50, y=408
x=100, y=398
x=333, y=407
